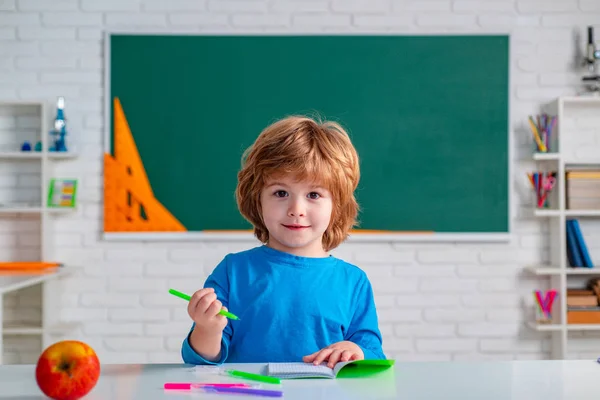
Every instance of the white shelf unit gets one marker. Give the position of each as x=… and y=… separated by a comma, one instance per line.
x=573, y=129
x=31, y=121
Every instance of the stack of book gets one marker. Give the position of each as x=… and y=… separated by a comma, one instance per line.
x=582, y=306
x=583, y=189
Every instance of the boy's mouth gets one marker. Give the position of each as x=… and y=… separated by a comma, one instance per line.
x=295, y=227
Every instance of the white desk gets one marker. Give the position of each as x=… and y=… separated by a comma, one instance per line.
x=527, y=380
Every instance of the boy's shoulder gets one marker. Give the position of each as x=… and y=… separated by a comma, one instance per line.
x=236, y=256
x=350, y=269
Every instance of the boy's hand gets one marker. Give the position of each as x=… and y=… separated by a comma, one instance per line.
x=203, y=309
x=340, y=351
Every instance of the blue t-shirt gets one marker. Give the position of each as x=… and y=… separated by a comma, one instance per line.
x=289, y=307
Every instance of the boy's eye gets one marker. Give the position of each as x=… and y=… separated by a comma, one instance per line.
x=313, y=195
x=280, y=193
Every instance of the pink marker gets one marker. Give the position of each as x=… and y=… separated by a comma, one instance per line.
x=190, y=386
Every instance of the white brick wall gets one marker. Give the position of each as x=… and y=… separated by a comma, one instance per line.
x=436, y=302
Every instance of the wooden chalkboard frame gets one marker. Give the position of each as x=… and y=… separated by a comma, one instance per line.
x=374, y=236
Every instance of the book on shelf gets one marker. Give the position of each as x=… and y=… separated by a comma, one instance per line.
x=583, y=189
x=581, y=301
x=577, y=300
x=577, y=250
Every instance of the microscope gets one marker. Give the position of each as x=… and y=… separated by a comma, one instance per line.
x=60, y=127
x=591, y=57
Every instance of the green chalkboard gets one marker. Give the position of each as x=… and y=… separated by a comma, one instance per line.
x=428, y=115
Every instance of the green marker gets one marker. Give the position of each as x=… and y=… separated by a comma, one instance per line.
x=187, y=297
x=254, y=377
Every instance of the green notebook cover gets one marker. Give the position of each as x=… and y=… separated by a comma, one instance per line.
x=347, y=369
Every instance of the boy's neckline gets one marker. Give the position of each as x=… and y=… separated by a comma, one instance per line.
x=292, y=259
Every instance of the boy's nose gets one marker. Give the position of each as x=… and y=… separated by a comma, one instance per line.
x=296, y=209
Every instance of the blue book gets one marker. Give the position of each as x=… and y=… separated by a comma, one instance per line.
x=572, y=249
x=587, y=261
x=570, y=252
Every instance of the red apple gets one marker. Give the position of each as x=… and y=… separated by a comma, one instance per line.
x=67, y=370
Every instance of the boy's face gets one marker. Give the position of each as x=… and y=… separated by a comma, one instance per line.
x=296, y=215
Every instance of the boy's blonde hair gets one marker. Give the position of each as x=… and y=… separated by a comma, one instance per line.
x=320, y=152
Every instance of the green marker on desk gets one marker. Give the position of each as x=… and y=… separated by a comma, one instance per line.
x=187, y=297
x=254, y=377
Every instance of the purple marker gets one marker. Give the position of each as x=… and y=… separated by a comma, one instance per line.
x=255, y=392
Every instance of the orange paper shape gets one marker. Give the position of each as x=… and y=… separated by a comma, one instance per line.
x=129, y=203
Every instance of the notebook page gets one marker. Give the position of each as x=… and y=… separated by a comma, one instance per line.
x=299, y=370
x=339, y=366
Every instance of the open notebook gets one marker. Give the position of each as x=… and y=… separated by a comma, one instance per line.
x=354, y=369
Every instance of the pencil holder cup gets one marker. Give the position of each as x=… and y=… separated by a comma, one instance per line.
x=543, y=137
x=541, y=317
x=542, y=184
x=543, y=301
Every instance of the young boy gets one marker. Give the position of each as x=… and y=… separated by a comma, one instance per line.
x=295, y=301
